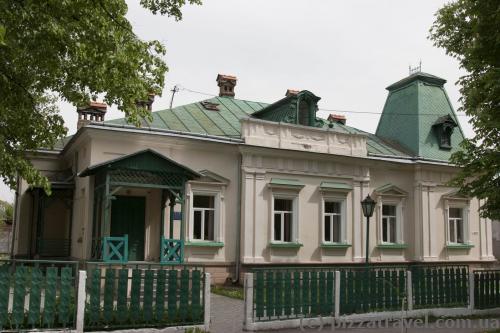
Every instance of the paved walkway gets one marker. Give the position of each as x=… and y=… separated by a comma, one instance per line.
x=227, y=317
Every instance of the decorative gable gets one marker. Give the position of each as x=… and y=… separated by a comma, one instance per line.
x=211, y=177
x=390, y=190
x=455, y=195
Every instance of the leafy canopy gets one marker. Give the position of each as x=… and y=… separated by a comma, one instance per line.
x=469, y=30
x=73, y=50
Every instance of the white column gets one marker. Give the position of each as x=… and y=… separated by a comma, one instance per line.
x=247, y=217
x=248, y=303
x=471, y=290
x=357, y=234
x=409, y=291
x=337, y=296
x=206, y=298
x=80, y=310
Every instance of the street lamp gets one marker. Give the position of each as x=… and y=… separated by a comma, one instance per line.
x=368, y=206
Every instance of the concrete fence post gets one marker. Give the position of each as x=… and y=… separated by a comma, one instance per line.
x=409, y=290
x=248, y=304
x=471, y=291
x=337, y=295
x=206, y=298
x=81, y=297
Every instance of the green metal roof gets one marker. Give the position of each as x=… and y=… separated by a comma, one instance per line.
x=144, y=160
x=413, y=106
x=286, y=182
x=335, y=186
x=194, y=118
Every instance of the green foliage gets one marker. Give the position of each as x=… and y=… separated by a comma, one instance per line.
x=195, y=330
x=469, y=31
x=6, y=211
x=72, y=50
x=232, y=292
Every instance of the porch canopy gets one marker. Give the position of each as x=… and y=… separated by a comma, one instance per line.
x=143, y=169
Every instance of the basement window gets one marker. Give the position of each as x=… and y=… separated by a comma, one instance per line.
x=210, y=106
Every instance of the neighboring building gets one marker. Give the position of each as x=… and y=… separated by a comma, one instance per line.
x=233, y=184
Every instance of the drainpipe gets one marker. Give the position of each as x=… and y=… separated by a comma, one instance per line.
x=236, y=277
x=14, y=220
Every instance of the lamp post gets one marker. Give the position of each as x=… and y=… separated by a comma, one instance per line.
x=368, y=206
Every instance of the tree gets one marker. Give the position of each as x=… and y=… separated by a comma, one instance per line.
x=6, y=212
x=73, y=50
x=469, y=30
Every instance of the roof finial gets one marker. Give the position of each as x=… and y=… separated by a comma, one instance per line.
x=415, y=69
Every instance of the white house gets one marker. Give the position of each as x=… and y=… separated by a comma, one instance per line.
x=234, y=184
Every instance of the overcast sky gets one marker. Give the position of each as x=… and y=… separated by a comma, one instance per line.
x=346, y=52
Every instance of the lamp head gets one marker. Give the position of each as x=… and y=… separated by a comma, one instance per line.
x=368, y=206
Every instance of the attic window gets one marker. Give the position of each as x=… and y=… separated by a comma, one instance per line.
x=303, y=113
x=443, y=128
x=210, y=106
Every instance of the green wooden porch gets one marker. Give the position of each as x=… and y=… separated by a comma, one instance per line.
x=118, y=219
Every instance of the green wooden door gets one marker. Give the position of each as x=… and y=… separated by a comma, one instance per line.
x=127, y=217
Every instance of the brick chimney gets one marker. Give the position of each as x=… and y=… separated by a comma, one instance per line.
x=337, y=118
x=148, y=104
x=291, y=92
x=226, y=85
x=94, y=112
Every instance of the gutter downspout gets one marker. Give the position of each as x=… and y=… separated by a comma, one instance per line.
x=236, y=277
x=14, y=219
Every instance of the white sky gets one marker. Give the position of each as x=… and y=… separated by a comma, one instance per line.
x=346, y=52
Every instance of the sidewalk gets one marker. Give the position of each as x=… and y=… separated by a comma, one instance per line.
x=227, y=317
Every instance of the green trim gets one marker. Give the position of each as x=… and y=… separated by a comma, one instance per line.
x=291, y=245
x=459, y=246
x=335, y=186
x=335, y=245
x=392, y=246
x=286, y=182
x=205, y=244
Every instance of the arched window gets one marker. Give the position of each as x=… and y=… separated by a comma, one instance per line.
x=303, y=113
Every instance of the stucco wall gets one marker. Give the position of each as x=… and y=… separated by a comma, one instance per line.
x=423, y=197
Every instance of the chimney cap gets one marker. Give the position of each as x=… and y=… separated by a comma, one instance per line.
x=291, y=92
x=226, y=77
x=93, y=105
x=337, y=118
x=226, y=85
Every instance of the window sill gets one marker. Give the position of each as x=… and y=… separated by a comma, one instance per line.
x=392, y=246
x=335, y=245
x=204, y=244
x=290, y=245
x=459, y=246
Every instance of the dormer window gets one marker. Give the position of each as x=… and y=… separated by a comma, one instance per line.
x=443, y=129
x=303, y=113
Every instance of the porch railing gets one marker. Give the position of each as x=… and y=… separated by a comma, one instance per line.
x=171, y=251
x=115, y=249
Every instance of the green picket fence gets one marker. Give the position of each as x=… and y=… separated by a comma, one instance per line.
x=293, y=293
x=133, y=296
x=373, y=289
x=487, y=289
x=440, y=286
x=37, y=294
